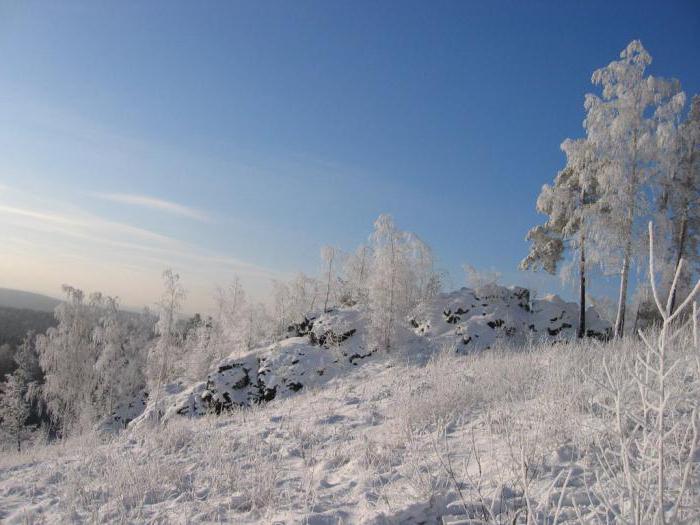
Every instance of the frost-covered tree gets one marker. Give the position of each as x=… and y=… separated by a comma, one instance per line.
x=92, y=360
x=570, y=204
x=328, y=256
x=120, y=356
x=14, y=407
x=401, y=277
x=355, y=275
x=282, y=311
x=27, y=360
x=295, y=299
x=679, y=197
x=257, y=322
x=232, y=305
x=203, y=344
x=211, y=339
x=621, y=125
x=67, y=356
x=423, y=281
x=304, y=291
x=20, y=392
x=384, y=283
x=164, y=355
x=476, y=278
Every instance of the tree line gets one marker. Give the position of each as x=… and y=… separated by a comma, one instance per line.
x=639, y=161
x=99, y=357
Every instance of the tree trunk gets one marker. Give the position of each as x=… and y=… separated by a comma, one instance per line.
x=582, y=290
x=679, y=254
x=626, y=261
x=622, y=301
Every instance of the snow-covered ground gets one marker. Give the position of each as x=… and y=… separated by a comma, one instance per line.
x=461, y=439
x=366, y=447
x=428, y=433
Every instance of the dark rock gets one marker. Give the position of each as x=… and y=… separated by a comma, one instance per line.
x=301, y=329
x=450, y=318
x=355, y=357
x=329, y=337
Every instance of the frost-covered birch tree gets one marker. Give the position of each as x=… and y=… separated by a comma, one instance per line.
x=282, y=312
x=120, y=340
x=67, y=356
x=328, y=256
x=304, y=291
x=232, y=304
x=401, y=277
x=622, y=124
x=355, y=274
x=384, y=288
x=164, y=354
x=257, y=322
x=213, y=338
x=92, y=360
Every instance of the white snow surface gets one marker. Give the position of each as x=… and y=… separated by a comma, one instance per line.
x=369, y=447
x=320, y=430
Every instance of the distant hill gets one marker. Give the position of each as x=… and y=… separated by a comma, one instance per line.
x=16, y=322
x=27, y=300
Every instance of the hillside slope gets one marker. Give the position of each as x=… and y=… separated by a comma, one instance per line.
x=20, y=299
x=487, y=437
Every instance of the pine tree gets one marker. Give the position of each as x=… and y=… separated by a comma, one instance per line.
x=570, y=204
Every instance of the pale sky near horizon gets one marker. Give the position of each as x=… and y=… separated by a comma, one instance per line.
x=239, y=138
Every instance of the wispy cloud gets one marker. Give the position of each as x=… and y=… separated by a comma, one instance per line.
x=154, y=204
x=86, y=223
x=49, y=243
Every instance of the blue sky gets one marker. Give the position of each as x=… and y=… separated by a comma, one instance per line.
x=239, y=137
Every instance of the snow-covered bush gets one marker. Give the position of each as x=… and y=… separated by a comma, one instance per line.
x=653, y=394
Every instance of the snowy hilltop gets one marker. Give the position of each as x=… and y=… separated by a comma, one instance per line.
x=325, y=345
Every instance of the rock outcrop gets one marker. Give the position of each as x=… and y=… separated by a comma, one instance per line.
x=325, y=345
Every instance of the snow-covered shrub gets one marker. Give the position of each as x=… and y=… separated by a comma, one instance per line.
x=650, y=455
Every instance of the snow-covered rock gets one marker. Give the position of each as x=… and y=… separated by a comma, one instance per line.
x=478, y=319
x=125, y=414
x=325, y=345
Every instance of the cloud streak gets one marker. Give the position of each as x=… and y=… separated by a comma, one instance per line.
x=90, y=223
x=154, y=204
x=45, y=247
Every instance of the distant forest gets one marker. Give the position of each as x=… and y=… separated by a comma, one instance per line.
x=14, y=325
